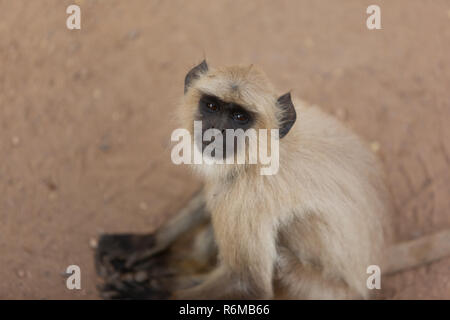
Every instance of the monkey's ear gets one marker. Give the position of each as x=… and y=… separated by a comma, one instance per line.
x=288, y=114
x=195, y=74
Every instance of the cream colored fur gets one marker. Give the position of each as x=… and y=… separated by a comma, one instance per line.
x=311, y=230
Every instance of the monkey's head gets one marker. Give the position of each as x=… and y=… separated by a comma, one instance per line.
x=236, y=97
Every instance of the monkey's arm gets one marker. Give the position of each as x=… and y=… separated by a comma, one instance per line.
x=414, y=253
x=190, y=216
x=247, y=252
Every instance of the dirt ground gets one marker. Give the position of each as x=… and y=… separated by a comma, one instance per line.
x=86, y=116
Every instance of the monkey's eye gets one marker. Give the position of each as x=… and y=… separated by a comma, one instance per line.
x=240, y=117
x=212, y=107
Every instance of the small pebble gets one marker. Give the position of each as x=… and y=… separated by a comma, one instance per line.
x=81, y=74
x=375, y=146
x=143, y=206
x=93, y=243
x=52, y=196
x=20, y=273
x=416, y=234
x=51, y=185
x=15, y=141
x=97, y=94
x=133, y=34
x=104, y=147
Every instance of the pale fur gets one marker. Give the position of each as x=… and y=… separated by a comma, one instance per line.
x=311, y=230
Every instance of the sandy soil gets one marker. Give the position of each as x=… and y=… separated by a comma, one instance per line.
x=86, y=116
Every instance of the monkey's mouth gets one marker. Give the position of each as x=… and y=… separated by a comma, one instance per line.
x=215, y=152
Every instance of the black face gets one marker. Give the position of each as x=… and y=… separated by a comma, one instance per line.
x=222, y=115
x=217, y=114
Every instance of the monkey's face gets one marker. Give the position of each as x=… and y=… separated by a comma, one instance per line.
x=235, y=99
x=216, y=114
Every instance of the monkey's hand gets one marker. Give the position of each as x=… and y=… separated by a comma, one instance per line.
x=122, y=289
x=148, y=266
x=132, y=266
x=121, y=253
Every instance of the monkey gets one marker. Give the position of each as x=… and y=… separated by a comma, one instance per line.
x=309, y=231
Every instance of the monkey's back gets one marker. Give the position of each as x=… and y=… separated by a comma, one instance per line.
x=341, y=216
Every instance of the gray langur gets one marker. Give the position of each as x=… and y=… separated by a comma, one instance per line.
x=310, y=231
